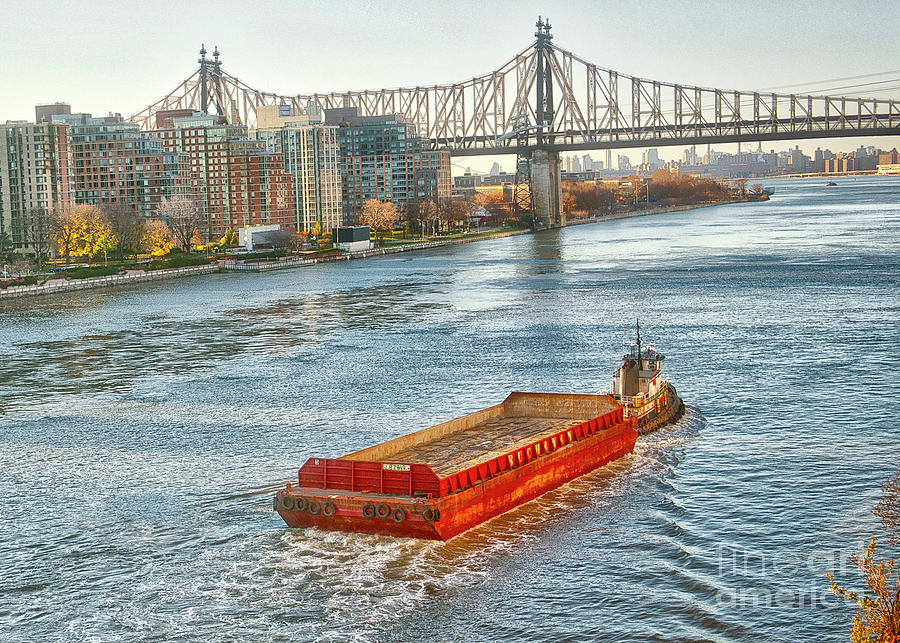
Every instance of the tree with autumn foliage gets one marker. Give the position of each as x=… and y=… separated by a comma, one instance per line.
x=96, y=234
x=63, y=229
x=453, y=213
x=157, y=239
x=229, y=239
x=493, y=202
x=81, y=231
x=877, y=619
x=380, y=216
x=671, y=188
x=587, y=197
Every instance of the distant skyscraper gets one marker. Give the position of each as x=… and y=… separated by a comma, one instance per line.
x=495, y=169
x=576, y=164
x=587, y=163
x=651, y=158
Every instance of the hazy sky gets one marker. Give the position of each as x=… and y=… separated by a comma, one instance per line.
x=103, y=56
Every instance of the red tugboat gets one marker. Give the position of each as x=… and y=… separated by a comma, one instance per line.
x=639, y=386
x=443, y=480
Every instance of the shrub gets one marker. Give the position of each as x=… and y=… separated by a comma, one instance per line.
x=273, y=254
x=177, y=259
x=93, y=271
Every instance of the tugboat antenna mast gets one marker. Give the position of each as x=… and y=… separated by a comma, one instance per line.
x=639, y=341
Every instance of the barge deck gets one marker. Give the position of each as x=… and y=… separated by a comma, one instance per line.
x=445, y=479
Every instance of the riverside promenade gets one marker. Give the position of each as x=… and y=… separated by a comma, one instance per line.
x=365, y=254
x=57, y=286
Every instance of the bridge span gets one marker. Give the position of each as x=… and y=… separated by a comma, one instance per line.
x=545, y=100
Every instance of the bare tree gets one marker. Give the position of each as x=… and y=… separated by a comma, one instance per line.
x=428, y=213
x=40, y=233
x=182, y=216
x=285, y=240
x=410, y=214
x=6, y=247
x=453, y=212
x=126, y=225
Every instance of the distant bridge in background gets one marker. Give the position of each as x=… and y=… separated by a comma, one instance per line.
x=546, y=100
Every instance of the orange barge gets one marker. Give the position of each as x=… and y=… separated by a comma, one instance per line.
x=443, y=480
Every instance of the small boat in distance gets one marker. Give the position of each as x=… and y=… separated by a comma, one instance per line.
x=830, y=183
x=441, y=481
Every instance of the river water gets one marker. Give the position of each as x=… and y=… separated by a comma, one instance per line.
x=144, y=430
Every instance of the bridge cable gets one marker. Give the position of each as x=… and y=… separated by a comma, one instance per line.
x=832, y=80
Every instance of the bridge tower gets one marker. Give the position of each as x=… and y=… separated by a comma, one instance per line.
x=204, y=75
x=210, y=76
x=546, y=186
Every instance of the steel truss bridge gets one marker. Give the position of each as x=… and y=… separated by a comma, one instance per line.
x=570, y=103
x=545, y=100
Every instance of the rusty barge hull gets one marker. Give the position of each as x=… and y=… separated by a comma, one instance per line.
x=446, y=479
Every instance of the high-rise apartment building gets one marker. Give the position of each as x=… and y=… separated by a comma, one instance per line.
x=383, y=158
x=203, y=141
x=35, y=173
x=114, y=162
x=430, y=176
x=311, y=154
x=234, y=179
x=260, y=192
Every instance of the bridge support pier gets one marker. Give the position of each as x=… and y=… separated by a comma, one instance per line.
x=546, y=189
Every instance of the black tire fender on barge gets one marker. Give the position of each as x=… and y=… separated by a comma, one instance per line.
x=328, y=509
x=382, y=510
x=286, y=502
x=368, y=510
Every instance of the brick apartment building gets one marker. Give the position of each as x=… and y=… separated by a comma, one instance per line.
x=234, y=179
